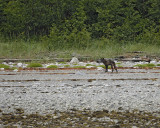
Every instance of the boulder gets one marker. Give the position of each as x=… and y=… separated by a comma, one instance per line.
x=74, y=60
x=19, y=64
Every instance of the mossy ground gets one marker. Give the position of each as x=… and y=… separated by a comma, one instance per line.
x=145, y=65
x=32, y=65
x=81, y=119
x=52, y=66
x=4, y=66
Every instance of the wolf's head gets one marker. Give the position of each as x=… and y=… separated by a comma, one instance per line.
x=101, y=60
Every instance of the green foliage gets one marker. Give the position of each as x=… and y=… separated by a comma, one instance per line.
x=158, y=64
x=32, y=65
x=52, y=66
x=75, y=38
x=29, y=29
x=4, y=66
x=25, y=18
x=73, y=23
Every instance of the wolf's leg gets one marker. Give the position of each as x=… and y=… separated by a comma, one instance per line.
x=112, y=67
x=106, y=68
x=115, y=68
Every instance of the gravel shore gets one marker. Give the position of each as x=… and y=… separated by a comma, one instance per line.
x=48, y=91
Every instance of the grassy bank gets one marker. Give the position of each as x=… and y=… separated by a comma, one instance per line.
x=95, y=49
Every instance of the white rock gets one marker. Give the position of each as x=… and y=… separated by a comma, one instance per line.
x=10, y=63
x=15, y=70
x=11, y=66
x=74, y=60
x=5, y=63
x=19, y=64
x=93, y=63
x=153, y=61
x=25, y=65
x=2, y=69
x=99, y=68
x=134, y=127
x=82, y=63
x=89, y=66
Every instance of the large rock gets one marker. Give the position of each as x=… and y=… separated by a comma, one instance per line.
x=74, y=60
x=19, y=64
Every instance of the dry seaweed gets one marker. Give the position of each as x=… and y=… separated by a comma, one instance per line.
x=81, y=118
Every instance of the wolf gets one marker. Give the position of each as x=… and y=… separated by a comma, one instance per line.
x=107, y=62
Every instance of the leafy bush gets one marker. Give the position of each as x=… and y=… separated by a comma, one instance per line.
x=158, y=64
x=31, y=65
x=52, y=66
x=4, y=66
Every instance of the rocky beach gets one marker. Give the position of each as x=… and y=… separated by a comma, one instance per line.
x=90, y=90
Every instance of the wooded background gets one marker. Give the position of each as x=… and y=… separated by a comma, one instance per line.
x=72, y=22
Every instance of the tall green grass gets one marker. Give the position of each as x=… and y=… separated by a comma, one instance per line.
x=95, y=49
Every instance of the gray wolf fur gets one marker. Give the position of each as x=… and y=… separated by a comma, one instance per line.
x=108, y=62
